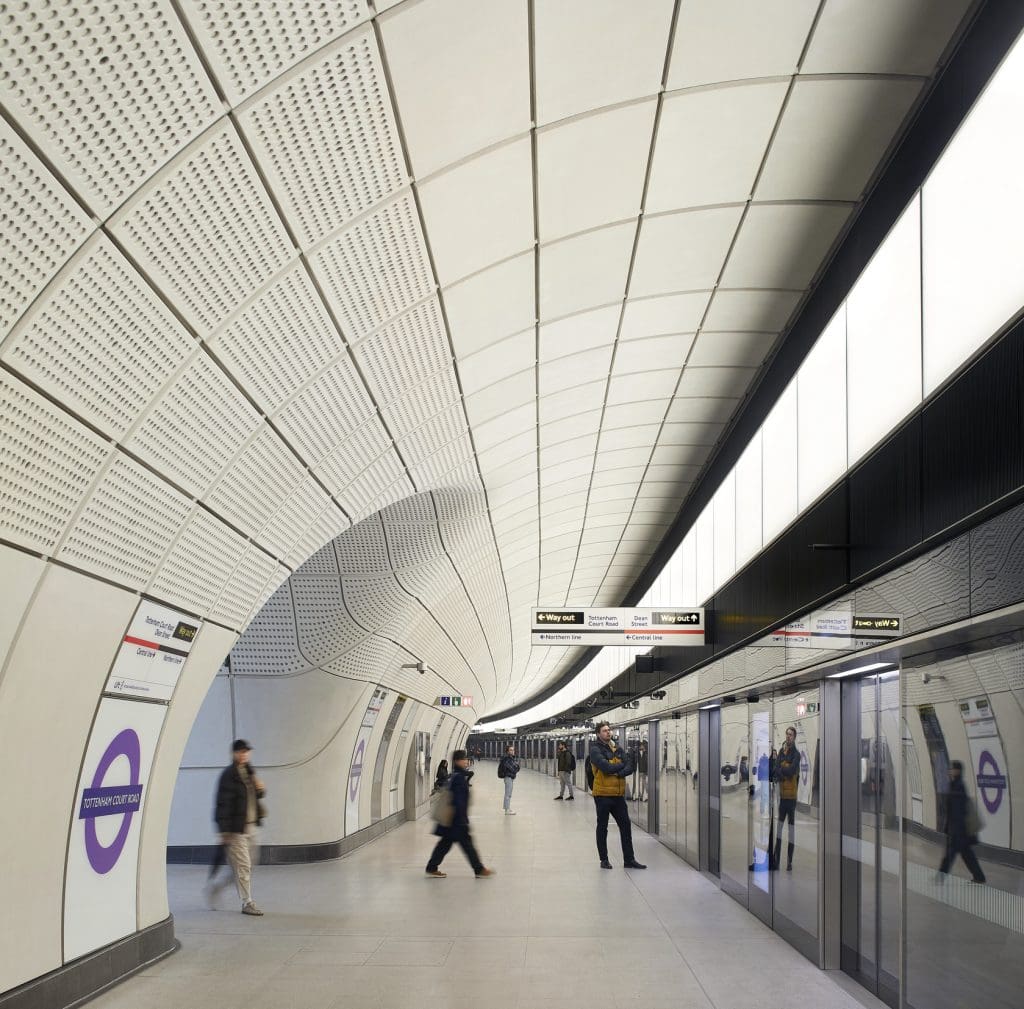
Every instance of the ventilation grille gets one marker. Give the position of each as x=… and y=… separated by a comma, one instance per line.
x=196, y=427
x=257, y=483
x=326, y=412
x=414, y=509
x=249, y=50
x=40, y=227
x=376, y=487
x=47, y=462
x=110, y=90
x=416, y=544
x=101, y=342
x=279, y=341
x=269, y=646
x=323, y=562
x=323, y=627
x=199, y=565
x=377, y=269
x=447, y=464
x=246, y=590
x=327, y=139
x=357, y=452
x=303, y=508
x=206, y=232
x=127, y=524
x=332, y=522
x=363, y=549
x=378, y=601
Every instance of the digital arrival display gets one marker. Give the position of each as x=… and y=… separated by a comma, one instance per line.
x=634, y=627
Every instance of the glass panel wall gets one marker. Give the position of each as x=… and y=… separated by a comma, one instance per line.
x=734, y=784
x=964, y=940
x=688, y=829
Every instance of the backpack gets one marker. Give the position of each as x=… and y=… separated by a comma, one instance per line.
x=589, y=770
x=501, y=768
x=572, y=761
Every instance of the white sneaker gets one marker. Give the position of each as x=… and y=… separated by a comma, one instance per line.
x=510, y=812
x=251, y=908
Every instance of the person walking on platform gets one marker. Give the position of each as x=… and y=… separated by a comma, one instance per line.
x=508, y=768
x=566, y=765
x=611, y=766
x=456, y=831
x=787, y=770
x=238, y=813
x=641, y=767
x=961, y=833
x=443, y=774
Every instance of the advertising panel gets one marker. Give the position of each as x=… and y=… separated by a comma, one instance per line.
x=663, y=625
x=359, y=758
x=153, y=653
x=102, y=870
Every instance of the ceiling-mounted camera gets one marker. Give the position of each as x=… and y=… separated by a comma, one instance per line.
x=658, y=695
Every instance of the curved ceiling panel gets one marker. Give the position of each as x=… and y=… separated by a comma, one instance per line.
x=469, y=289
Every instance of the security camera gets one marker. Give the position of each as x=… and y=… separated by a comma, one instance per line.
x=927, y=677
x=421, y=667
x=658, y=695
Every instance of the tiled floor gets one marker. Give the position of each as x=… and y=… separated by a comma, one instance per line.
x=551, y=929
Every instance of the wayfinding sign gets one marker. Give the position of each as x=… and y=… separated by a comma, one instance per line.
x=663, y=625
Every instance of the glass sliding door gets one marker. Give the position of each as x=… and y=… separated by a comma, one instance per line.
x=734, y=784
x=762, y=817
x=870, y=911
x=688, y=808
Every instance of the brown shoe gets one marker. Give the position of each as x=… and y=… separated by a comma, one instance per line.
x=485, y=872
x=437, y=873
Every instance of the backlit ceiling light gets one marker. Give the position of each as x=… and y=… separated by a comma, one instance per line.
x=857, y=670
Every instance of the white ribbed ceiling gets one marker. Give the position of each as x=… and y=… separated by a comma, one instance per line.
x=270, y=267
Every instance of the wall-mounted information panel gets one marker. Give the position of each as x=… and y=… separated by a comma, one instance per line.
x=153, y=653
x=634, y=627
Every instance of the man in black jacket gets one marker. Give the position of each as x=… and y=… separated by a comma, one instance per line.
x=566, y=765
x=457, y=831
x=508, y=768
x=959, y=837
x=238, y=813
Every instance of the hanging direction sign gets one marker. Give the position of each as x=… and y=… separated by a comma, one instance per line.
x=672, y=626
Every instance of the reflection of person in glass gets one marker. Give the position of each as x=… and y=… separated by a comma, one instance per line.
x=961, y=834
x=641, y=766
x=787, y=771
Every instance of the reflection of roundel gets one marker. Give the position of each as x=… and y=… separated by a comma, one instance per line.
x=102, y=857
x=357, y=770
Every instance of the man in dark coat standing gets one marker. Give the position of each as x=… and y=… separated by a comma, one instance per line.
x=960, y=838
x=457, y=831
x=238, y=813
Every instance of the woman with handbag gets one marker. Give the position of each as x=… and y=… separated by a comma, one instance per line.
x=453, y=822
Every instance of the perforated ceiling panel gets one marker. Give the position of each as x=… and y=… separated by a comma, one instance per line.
x=270, y=268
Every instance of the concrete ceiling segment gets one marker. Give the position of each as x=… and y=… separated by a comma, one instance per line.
x=306, y=265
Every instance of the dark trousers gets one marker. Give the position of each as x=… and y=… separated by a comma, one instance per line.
x=613, y=805
x=958, y=844
x=787, y=811
x=220, y=858
x=464, y=841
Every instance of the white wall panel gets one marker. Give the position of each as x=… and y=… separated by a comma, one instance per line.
x=684, y=251
x=129, y=115
x=19, y=574
x=275, y=35
x=40, y=227
x=779, y=466
x=590, y=54
x=492, y=304
x=972, y=215
x=205, y=230
x=50, y=460
x=326, y=137
x=726, y=531
x=673, y=313
x=590, y=171
x=91, y=617
x=468, y=228
x=883, y=334
x=728, y=40
x=821, y=412
x=482, y=96
x=584, y=271
x=736, y=123
x=704, y=544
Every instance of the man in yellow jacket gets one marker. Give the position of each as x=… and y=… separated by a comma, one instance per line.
x=611, y=766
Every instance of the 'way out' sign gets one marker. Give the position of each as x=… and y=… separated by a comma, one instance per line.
x=672, y=626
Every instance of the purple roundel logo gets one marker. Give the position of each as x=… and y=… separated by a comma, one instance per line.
x=116, y=800
x=990, y=780
x=804, y=767
x=357, y=770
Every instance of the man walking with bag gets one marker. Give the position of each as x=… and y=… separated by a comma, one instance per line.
x=961, y=833
x=453, y=822
x=566, y=765
x=238, y=813
x=508, y=768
